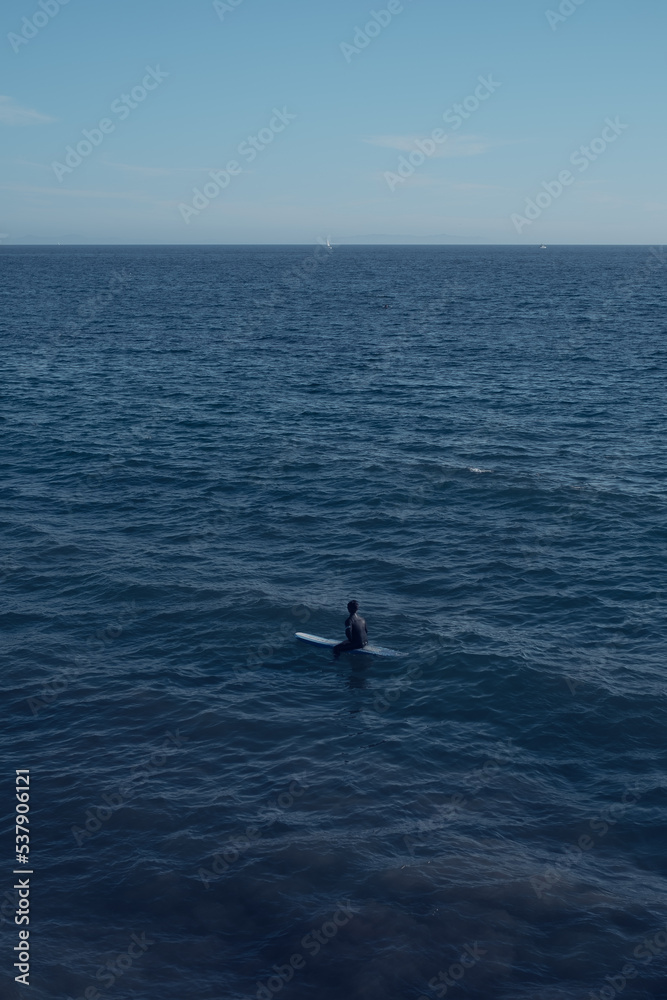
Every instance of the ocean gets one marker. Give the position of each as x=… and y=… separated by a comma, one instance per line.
x=208, y=449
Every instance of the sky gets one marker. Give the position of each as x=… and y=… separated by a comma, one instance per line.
x=256, y=121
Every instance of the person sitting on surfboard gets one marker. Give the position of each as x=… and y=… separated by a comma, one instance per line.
x=355, y=630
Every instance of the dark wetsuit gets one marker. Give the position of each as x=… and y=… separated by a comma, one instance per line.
x=357, y=635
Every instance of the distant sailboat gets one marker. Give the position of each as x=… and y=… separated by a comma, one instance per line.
x=329, y=247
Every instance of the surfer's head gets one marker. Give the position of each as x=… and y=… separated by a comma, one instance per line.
x=353, y=607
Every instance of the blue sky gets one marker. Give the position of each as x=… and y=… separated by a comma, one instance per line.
x=332, y=120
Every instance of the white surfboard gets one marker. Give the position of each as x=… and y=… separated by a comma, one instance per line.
x=316, y=640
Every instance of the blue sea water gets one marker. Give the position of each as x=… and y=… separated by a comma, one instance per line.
x=206, y=450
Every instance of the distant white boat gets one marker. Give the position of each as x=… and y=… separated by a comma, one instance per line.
x=329, y=247
x=543, y=247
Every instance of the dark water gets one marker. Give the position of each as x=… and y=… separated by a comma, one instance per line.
x=206, y=450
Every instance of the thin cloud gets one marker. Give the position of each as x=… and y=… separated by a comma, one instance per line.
x=74, y=193
x=128, y=168
x=455, y=145
x=12, y=113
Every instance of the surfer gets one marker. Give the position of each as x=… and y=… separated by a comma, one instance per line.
x=355, y=630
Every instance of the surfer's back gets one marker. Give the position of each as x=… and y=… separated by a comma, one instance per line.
x=356, y=630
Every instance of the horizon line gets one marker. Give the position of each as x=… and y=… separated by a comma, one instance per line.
x=514, y=246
